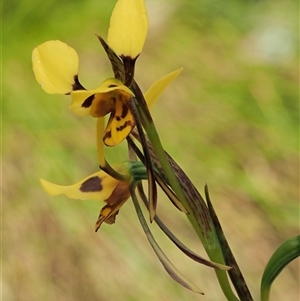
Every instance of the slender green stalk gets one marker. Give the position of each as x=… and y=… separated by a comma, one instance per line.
x=152, y=190
x=157, y=146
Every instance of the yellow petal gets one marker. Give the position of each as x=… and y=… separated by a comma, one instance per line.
x=81, y=102
x=100, y=101
x=159, y=86
x=107, y=95
x=128, y=28
x=120, y=124
x=98, y=186
x=55, y=66
x=112, y=84
x=103, y=104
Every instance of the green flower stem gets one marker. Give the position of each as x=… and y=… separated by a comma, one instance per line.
x=152, y=190
x=138, y=171
x=159, y=177
x=159, y=151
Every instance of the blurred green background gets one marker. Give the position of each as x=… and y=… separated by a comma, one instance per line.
x=230, y=120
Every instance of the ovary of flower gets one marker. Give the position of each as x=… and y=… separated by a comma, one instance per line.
x=98, y=187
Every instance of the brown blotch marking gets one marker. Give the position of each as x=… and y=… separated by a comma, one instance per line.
x=112, y=86
x=125, y=125
x=88, y=102
x=124, y=110
x=91, y=185
x=77, y=85
x=107, y=135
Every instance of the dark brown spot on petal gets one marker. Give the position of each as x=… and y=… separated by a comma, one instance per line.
x=107, y=135
x=124, y=110
x=77, y=85
x=91, y=185
x=112, y=86
x=88, y=102
x=125, y=125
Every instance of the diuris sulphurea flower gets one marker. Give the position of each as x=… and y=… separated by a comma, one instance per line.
x=99, y=186
x=55, y=65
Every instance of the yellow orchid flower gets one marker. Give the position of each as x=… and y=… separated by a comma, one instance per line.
x=99, y=187
x=55, y=65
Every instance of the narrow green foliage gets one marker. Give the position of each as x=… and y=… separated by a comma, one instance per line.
x=235, y=273
x=176, y=241
x=169, y=267
x=285, y=253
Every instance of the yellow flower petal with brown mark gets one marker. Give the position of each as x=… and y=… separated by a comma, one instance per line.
x=55, y=66
x=120, y=124
x=98, y=187
x=100, y=101
x=128, y=28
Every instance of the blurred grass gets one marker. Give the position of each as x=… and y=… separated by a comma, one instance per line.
x=231, y=120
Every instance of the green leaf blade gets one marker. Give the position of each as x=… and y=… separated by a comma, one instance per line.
x=285, y=253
